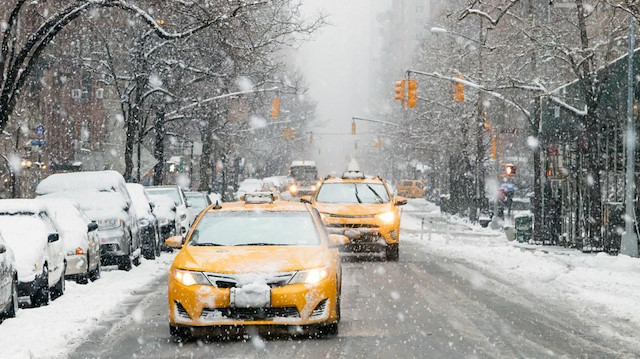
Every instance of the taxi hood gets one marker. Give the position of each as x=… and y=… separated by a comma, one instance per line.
x=353, y=209
x=249, y=259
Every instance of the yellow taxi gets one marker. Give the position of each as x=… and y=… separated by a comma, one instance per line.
x=410, y=188
x=362, y=209
x=254, y=263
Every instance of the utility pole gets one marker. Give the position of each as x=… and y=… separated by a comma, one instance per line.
x=629, y=245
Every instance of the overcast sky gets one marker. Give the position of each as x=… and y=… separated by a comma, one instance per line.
x=338, y=64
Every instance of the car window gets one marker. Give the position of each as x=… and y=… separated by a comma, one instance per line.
x=405, y=183
x=353, y=193
x=169, y=192
x=198, y=201
x=255, y=228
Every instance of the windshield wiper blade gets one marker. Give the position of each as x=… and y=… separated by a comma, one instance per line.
x=356, y=193
x=208, y=245
x=376, y=194
x=260, y=244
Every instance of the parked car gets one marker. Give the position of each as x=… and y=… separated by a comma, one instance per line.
x=184, y=218
x=198, y=201
x=81, y=240
x=165, y=211
x=104, y=198
x=37, y=246
x=8, y=281
x=148, y=228
x=248, y=186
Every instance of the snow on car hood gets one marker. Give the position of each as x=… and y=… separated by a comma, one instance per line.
x=164, y=207
x=96, y=205
x=250, y=259
x=27, y=238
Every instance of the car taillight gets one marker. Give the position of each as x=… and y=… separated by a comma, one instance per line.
x=79, y=251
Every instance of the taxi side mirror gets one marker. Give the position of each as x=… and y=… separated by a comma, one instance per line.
x=337, y=240
x=305, y=199
x=174, y=242
x=400, y=201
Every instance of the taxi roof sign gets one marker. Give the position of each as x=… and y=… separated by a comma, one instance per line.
x=353, y=175
x=260, y=198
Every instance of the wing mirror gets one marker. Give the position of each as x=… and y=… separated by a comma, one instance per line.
x=188, y=204
x=3, y=248
x=53, y=237
x=174, y=242
x=400, y=201
x=92, y=226
x=337, y=240
x=127, y=207
x=305, y=199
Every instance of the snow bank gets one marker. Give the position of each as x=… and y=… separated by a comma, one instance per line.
x=57, y=329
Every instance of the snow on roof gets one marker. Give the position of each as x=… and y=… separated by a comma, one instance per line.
x=139, y=199
x=21, y=205
x=303, y=163
x=96, y=205
x=96, y=180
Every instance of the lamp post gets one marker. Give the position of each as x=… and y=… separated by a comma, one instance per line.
x=629, y=245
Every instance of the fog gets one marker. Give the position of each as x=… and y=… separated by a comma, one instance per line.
x=340, y=64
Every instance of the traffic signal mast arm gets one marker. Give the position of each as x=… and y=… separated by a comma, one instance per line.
x=354, y=118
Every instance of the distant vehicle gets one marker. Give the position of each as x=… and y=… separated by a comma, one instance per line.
x=38, y=248
x=363, y=209
x=148, y=228
x=278, y=182
x=103, y=196
x=305, y=178
x=8, y=281
x=248, y=186
x=184, y=218
x=410, y=188
x=259, y=262
x=81, y=240
x=198, y=201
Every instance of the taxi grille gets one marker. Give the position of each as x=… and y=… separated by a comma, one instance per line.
x=226, y=281
x=351, y=225
x=251, y=313
x=181, y=312
x=320, y=310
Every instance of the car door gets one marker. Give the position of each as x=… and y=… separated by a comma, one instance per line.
x=54, y=250
x=5, y=275
x=94, y=241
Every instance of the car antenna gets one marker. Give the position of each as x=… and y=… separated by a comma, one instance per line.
x=217, y=206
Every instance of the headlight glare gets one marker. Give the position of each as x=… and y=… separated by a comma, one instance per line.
x=293, y=188
x=189, y=278
x=387, y=217
x=311, y=276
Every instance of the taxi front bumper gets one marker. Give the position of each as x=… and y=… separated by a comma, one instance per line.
x=296, y=304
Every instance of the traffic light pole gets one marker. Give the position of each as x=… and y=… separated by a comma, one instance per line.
x=495, y=222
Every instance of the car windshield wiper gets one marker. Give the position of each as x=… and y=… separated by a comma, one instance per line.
x=356, y=192
x=261, y=244
x=376, y=194
x=208, y=244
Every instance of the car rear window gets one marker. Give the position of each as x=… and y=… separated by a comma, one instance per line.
x=255, y=228
x=406, y=183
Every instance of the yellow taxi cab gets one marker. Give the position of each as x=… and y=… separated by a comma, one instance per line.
x=362, y=209
x=410, y=188
x=254, y=263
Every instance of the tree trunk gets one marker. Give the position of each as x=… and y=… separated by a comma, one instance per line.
x=205, y=163
x=131, y=129
x=158, y=151
x=537, y=174
x=594, y=166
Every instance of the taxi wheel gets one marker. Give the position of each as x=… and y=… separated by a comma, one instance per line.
x=180, y=334
x=393, y=252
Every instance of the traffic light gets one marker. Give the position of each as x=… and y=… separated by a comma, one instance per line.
x=289, y=133
x=378, y=144
x=412, y=100
x=458, y=90
x=509, y=170
x=275, y=107
x=311, y=138
x=400, y=93
x=355, y=145
x=353, y=127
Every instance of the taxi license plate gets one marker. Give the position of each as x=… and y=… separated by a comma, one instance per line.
x=250, y=297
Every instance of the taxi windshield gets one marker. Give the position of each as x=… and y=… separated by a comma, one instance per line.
x=353, y=193
x=255, y=229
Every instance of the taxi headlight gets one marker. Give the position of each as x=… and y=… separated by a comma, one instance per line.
x=293, y=188
x=311, y=276
x=189, y=278
x=387, y=217
x=313, y=188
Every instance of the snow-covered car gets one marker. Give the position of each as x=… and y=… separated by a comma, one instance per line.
x=148, y=229
x=198, y=202
x=8, y=281
x=104, y=198
x=278, y=182
x=165, y=211
x=249, y=185
x=37, y=246
x=81, y=240
x=184, y=218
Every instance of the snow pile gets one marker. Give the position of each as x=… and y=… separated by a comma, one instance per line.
x=57, y=329
x=97, y=181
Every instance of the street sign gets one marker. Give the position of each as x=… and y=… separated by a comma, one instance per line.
x=38, y=142
x=40, y=131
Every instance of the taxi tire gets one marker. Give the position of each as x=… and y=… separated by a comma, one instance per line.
x=392, y=252
x=180, y=334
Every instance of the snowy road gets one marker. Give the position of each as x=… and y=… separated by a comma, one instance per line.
x=429, y=304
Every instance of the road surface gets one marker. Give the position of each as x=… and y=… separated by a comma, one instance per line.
x=423, y=306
